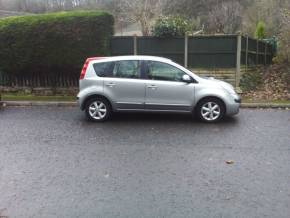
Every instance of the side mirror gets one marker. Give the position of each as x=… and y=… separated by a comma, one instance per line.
x=186, y=78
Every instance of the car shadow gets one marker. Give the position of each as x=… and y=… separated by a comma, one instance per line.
x=163, y=117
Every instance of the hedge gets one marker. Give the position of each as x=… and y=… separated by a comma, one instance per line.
x=53, y=42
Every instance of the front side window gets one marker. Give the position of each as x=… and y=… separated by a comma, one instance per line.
x=162, y=71
x=126, y=69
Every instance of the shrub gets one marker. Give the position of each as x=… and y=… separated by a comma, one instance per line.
x=53, y=42
x=170, y=27
x=260, y=30
x=251, y=80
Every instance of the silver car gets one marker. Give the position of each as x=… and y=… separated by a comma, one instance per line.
x=145, y=83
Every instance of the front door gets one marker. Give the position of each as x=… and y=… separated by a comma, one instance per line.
x=165, y=89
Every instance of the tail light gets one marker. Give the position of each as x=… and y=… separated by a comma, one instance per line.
x=83, y=72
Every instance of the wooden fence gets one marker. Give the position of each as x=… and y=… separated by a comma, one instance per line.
x=38, y=80
x=209, y=52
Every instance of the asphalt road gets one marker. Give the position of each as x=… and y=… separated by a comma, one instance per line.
x=53, y=163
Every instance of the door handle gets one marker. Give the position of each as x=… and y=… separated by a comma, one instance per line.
x=152, y=87
x=110, y=84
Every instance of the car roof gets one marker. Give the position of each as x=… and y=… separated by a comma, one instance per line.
x=131, y=57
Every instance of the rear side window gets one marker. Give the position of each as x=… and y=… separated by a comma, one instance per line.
x=103, y=69
x=118, y=69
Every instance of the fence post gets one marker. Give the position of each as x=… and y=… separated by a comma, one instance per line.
x=186, y=50
x=135, y=44
x=265, y=54
x=238, y=61
x=247, y=53
x=257, y=52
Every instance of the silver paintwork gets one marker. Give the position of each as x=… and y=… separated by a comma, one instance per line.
x=129, y=94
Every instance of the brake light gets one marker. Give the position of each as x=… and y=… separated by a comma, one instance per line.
x=84, y=70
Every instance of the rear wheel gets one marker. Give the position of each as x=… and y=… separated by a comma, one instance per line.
x=210, y=110
x=98, y=110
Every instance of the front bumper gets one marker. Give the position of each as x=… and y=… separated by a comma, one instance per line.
x=234, y=107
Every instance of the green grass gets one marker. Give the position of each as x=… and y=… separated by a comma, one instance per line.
x=13, y=97
x=248, y=100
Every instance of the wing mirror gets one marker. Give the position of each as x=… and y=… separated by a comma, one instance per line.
x=186, y=78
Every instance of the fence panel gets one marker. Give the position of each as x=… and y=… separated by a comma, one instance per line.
x=122, y=45
x=172, y=48
x=256, y=52
x=212, y=51
x=218, y=51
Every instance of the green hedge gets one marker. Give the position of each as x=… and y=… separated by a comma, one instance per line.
x=54, y=42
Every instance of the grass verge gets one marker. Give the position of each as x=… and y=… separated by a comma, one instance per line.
x=11, y=97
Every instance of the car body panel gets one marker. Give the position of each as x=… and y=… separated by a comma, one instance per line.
x=125, y=93
x=169, y=95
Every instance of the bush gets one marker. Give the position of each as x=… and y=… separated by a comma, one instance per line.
x=251, y=80
x=260, y=30
x=170, y=27
x=54, y=42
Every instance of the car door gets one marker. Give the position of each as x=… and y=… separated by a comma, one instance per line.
x=165, y=89
x=124, y=86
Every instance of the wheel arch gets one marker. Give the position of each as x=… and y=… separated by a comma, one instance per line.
x=88, y=98
x=211, y=97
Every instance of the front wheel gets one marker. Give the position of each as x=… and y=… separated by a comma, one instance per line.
x=210, y=110
x=98, y=110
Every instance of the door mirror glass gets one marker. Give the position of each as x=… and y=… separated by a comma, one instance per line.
x=186, y=78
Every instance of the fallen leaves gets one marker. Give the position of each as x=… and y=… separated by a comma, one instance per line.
x=229, y=162
x=275, y=84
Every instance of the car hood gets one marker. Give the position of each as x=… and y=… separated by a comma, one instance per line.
x=215, y=82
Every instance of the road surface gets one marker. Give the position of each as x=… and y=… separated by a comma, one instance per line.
x=53, y=163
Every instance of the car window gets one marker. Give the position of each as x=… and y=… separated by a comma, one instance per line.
x=126, y=69
x=103, y=69
x=162, y=71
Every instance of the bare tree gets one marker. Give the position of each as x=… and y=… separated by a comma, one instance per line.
x=225, y=18
x=268, y=11
x=141, y=11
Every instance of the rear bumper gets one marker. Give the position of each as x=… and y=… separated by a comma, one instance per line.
x=80, y=102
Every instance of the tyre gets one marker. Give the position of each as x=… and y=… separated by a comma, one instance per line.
x=210, y=110
x=98, y=110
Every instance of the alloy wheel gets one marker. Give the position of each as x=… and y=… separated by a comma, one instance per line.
x=210, y=111
x=97, y=110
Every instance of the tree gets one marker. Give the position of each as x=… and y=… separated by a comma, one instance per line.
x=269, y=11
x=225, y=18
x=284, y=39
x=170, y=27
x=260, y=30
x=140, y=11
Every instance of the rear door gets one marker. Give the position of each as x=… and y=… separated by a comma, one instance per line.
x=165, y=89
x=124, y=85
